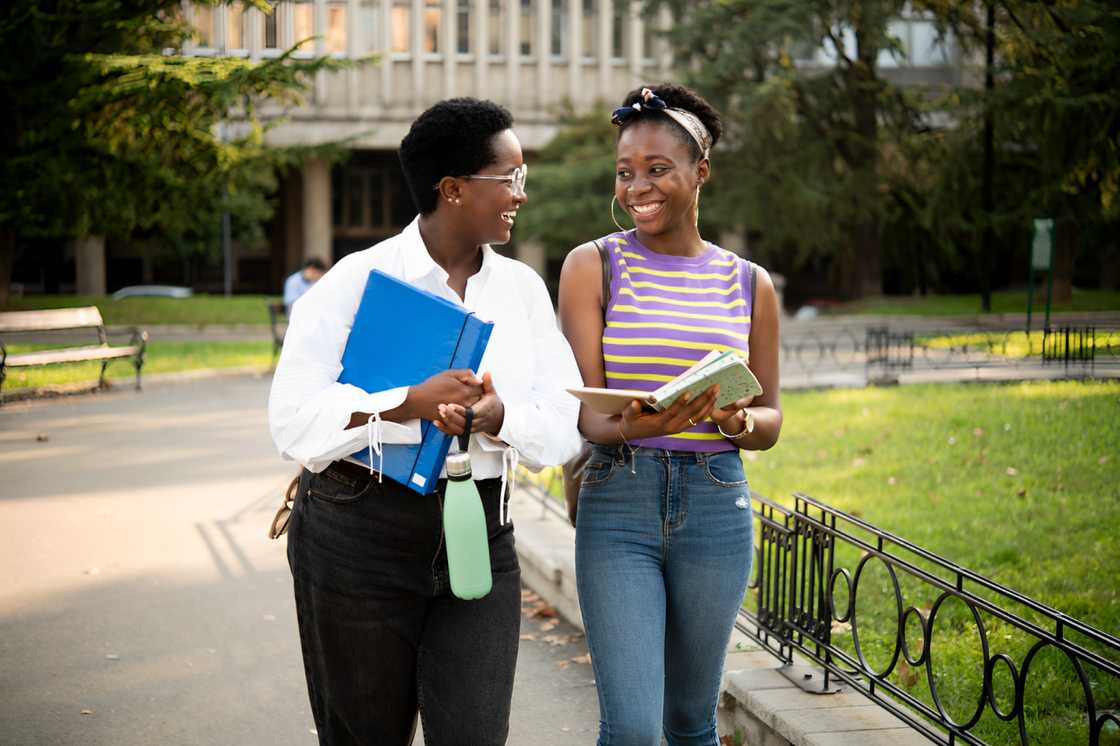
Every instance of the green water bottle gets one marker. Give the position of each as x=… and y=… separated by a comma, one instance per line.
x=464, y=525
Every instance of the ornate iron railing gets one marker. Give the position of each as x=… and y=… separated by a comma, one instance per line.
x=818, y=575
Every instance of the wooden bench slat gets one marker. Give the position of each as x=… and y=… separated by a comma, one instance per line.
x=50, y=319
x=69, y=355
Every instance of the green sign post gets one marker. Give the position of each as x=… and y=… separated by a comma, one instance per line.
x=1042, y=260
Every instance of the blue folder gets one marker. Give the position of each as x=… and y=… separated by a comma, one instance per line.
x=401, y=336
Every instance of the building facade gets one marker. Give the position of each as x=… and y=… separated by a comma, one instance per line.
x=532, y=56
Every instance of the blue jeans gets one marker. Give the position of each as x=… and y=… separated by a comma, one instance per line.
x=663, y=553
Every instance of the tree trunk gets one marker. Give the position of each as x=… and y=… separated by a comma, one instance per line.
x=1065, y=249
x=89, y=265
x=865, y=86
x=7, y=258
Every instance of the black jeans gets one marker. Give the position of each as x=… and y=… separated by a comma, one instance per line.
x=382, y=635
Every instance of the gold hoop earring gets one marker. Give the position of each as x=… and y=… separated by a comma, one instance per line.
x=614, y=198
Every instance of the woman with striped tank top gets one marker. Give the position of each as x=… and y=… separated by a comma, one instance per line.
x=663, y=535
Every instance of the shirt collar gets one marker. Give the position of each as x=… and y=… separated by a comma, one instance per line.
x=418, y=263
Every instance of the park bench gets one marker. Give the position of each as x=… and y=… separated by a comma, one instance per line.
x=48, y=323
x=278, y=318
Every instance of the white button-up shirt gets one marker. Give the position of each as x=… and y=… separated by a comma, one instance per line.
x=529, y=359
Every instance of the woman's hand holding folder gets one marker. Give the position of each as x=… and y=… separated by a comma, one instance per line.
x=457, y=386
x=489, y=412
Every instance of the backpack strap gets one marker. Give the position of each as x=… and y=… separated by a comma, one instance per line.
x=605, y=258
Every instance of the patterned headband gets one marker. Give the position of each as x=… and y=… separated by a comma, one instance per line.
x=686, y=119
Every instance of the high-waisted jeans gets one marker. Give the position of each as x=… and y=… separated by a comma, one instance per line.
x=663, y=554
x=382, y=635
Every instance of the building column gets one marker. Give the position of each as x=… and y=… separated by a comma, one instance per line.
x=386, y=49
x=416, y=45
x=354, y=50
x=513, y=56
x=450, y=47
x=575, y=49
x=89, y=265
x=533, y=254
x=634, y=29
x=606, y=47
x=319, y=28
x=481, y=46
x=544, y=52
x=317, y=210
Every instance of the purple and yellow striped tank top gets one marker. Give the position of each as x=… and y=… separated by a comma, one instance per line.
x=667, y=312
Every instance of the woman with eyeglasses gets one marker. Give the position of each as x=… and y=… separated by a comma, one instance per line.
x=383, y=637
x=664, y=526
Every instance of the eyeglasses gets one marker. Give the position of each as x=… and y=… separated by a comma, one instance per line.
x=624, y=114
x=516, y=179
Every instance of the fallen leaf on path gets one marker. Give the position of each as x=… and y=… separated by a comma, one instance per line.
x=549, y=625
x=585, y=659
x=544, y=611
x=42, y=438
x=528, y=636
x=86, y=712
x=563, y=664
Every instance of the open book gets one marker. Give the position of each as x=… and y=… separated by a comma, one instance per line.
x=735, y=379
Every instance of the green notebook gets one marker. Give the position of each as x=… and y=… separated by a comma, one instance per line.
x=728, y=369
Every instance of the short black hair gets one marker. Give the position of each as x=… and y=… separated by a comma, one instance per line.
x=677, y=97
x=452, y=138
x=315, y=262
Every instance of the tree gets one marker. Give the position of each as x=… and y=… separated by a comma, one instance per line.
x=576, y=172
x=1059, y=105
x=809, y=143
x=107, y=134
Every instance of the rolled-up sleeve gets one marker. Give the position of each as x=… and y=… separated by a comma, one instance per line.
x=308, y=410
x=543, y=426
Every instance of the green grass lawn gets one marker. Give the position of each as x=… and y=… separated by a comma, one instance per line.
x=1019, y=482
x=1003, y=301
x=143, y=311
x=160, y=357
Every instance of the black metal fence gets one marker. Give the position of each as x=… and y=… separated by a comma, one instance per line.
x=882, y=352
x=853, y=598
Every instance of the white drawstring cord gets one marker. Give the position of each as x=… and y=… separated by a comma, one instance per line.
x=510, y=459
x=373, y=433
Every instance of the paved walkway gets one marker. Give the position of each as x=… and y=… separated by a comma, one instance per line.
x=140, y=601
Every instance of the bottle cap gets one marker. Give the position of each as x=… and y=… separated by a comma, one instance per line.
x=458, y=466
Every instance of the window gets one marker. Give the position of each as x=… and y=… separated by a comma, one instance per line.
x=559, y=28
x=497, y=26
x=463, y=30
x=528, y=23
x=590, y=35
x=203, y=22
x=271, y=35
x=303, y=24
x=235, y=26
x=620, y=29
x=336, y=28
x=401, y=30
x=369, y=198
x=433, y=22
